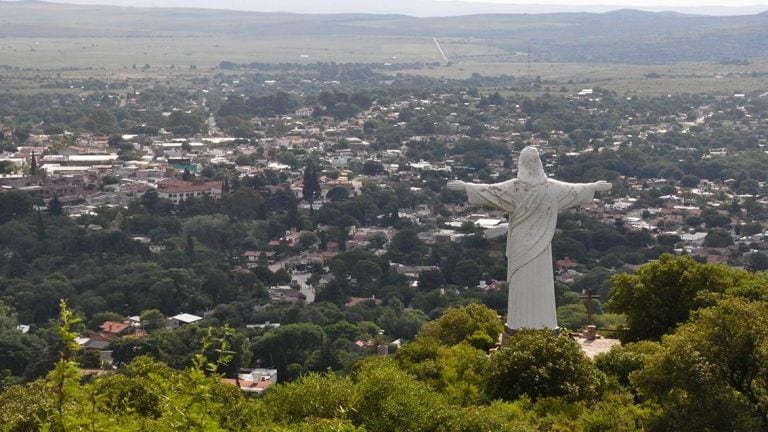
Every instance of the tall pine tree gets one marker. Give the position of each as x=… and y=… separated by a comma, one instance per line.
x=292, y=210
x=189, y=248
x=40, y=225
x=225, y=186
x=311, y=189
x=55, y=207
x=33, y=165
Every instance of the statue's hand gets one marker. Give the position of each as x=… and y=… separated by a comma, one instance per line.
x=603, y=186
x=456, y=185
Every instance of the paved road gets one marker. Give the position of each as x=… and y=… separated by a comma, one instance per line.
x=439, y=48
x=300, y=278
x=306, y=289
x=212, y=128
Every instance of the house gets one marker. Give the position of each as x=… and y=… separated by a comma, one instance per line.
x=284, y=294
x=112, y=329
x=357, y=300
x=411, y=271
x=175, y=190
x=695, y=239
x=183, y=318
x=93, y=343
x=264, y=326
x=254, y=381
x=251, y=258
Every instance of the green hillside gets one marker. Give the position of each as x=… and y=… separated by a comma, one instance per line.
x=622, y=36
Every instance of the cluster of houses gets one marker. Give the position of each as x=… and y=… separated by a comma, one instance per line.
x=90, y=173
x=251, y=381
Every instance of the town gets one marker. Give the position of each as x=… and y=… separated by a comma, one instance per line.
x=267, y=223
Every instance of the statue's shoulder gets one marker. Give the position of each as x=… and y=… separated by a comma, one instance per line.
x=504, y=186
x=559, y=183
x=506, y=183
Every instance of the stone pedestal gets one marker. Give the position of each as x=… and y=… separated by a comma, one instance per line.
x=506, y=334
x=509, y=332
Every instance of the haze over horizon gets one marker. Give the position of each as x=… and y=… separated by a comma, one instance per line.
x=444, y=7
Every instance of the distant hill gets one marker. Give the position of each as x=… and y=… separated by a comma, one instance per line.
x=627, y=36
x=423, y=8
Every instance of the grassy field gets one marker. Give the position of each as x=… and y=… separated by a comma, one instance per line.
x=630, y=79
x=206, y=52
x=170, y=58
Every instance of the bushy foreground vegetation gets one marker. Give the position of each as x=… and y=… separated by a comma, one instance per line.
x=706, y=373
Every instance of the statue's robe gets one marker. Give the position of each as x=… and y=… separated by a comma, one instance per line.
x=532, y=219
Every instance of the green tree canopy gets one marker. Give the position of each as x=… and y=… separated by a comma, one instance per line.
x=661, y=295
x=711, y=373
x=468, y=323
x=539, y=364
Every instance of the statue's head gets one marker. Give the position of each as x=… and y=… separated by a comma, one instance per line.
x=529, y=167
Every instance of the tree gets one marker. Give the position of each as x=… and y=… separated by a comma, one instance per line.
x=337, y=193
x=431, y=279
x=8, y=167
x=187, y=175
x=750, y=229
x=388, y=399
x=152, y=202
x=292, y=344
x=225, y=186
x=291, y=210
x=539, y=364
x=690, y=181
x=661, y=295
x=710, y=374
x=40, y=226
x=377, y=240
x=367, y=273
x=714, y=219
x=189, y=247
x=33, y=165
x=471, y=323
x=15, y=204
x=310, y=188
x=622, y=360
x=307, y=239
x=467, y=273
x=407, y=247
x=54, y=206
x=372, y=168
x=756, y=261
x=151, y=319
x=100, y=120
x=244, y=204
x=20, y=353
x=329, y=394
x=717, y=238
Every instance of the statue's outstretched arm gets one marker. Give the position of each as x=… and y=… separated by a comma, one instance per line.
x=576, y=194
x=488, y=195
x=457, y=185
x=602, y=186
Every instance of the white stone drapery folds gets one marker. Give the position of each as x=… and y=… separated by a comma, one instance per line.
x=533, y=212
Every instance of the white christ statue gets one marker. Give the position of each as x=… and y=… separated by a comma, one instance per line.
x=533, y=201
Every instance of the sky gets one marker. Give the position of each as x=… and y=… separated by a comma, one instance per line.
x=634, y=3
x=451, y=7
